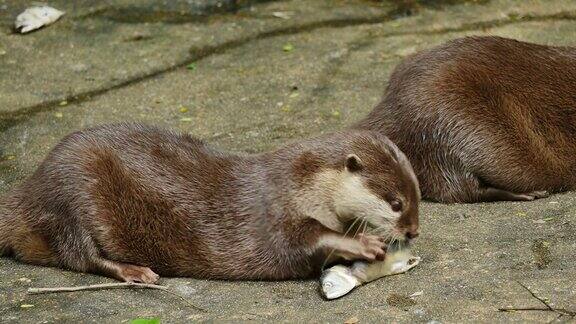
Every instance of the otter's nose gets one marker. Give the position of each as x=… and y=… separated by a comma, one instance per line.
x=412, y=234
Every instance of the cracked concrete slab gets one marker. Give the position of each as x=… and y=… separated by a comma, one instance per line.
x=254, y=95
x=103, y=46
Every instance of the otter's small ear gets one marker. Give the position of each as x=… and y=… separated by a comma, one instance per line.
x=353, y=163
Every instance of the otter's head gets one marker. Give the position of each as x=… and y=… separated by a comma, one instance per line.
x=377, y=184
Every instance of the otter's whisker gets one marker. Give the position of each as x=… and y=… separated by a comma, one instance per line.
x=364, y=229
x=352, y=226
x=364, y=221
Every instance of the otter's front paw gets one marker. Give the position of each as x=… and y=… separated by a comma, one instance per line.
x=372, y=247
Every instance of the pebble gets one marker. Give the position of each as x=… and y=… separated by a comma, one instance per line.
x=352, y=320
x=186, y=290
x=419, y=312
x=80, y=67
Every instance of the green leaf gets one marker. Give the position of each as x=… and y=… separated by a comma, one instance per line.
x=288, y=47
x=145, y=321
x=191, y=66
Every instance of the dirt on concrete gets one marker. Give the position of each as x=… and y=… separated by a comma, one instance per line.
x=248, y=78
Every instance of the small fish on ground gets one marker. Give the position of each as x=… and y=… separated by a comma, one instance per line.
x=36, y=17
x=282, y=14
x=339, y=280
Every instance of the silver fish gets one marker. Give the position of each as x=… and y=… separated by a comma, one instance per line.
x=36, y=17
x=339, y=280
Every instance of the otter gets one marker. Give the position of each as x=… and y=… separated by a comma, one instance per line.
x=484, y=119
x=133, y=202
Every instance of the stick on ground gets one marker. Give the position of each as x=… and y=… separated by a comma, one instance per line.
x=548, y=308
x=116, y=285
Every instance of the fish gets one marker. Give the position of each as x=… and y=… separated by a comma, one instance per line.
x=339, y=280
x=36, y=17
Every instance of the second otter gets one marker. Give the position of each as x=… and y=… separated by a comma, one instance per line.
x=129, y=201
x=484, y=118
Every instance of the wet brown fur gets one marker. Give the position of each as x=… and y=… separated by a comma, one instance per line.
x=484, y=118
x=117, y=198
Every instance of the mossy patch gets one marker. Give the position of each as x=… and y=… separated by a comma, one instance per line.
x=541, y=253
x=400, y=301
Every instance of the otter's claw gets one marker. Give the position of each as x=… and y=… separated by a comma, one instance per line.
x=372, y=247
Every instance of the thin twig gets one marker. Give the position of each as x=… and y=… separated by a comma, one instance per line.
x=560, y=311
x=514, y=309
x=94, y=287
x=542, y=300
x=116, y=285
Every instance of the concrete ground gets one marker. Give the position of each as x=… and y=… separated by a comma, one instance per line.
x=234, y=73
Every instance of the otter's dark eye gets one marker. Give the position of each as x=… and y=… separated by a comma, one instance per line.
x=396, y=205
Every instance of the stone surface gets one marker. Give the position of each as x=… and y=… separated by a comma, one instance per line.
x=130, y=60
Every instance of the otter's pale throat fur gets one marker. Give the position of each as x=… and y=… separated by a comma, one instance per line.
x=129, y=201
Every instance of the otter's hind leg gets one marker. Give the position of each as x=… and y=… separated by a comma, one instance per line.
x=452, y=183
x=63, y=242
x=494, y=194
x=34, y=249
x=79, y=252
x=125, y=272
x=470, y=190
